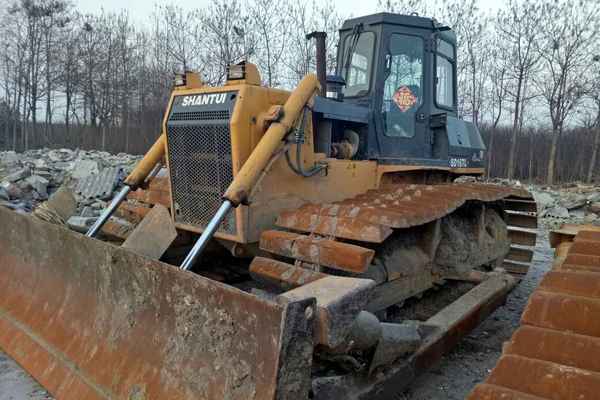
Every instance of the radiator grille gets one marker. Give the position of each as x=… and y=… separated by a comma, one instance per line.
x=200, y=116
x=201, y=169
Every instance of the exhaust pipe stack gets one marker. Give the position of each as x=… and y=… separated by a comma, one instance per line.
x=321, y=58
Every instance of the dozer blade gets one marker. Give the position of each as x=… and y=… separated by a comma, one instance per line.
x=89, y=320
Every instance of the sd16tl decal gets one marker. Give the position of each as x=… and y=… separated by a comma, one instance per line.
x=204, y=99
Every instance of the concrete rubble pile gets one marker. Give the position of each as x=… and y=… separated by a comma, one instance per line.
x=575, y=203
x=30, y=178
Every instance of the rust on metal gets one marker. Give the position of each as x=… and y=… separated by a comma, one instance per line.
x=401, y=206
x=317, y=250
x=133, y=212
x=89, y=320
x=370, y=217
x=582, y=259
x=117, y=228
x=587, y=247
x=151, y=197
x=555, y=354
x=346, y=228
x=282, y=275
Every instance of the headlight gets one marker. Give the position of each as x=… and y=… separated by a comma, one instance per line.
x=236, y=71
x=179, y=80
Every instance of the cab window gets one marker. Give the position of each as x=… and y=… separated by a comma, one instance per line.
x=403, y=88
x=444, y=89
x=357, y=68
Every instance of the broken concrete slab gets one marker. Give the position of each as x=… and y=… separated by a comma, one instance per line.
x=14, y=192
x=153, y=236
x=18, y=175
x=81, y=224
x=84, y=168
x=543, y=199
x=574, y=202
x=88, y=211
x=557, y=212
x=59, y=208
x=39, y=184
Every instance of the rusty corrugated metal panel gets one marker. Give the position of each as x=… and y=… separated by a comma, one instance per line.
x=555, y=354
x=89, y=320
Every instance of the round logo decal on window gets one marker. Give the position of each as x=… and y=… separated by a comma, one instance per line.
x=404, y=98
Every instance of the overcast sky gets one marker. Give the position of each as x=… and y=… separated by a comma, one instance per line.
x=140, y=9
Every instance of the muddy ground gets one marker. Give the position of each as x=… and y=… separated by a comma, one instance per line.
x=476, y=355
x=453, y=379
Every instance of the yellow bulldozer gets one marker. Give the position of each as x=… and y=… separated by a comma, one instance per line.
x=339, y=198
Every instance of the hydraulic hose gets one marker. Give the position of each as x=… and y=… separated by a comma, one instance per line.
x=299, y=140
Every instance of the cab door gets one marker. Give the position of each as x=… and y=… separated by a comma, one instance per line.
x=402, y=121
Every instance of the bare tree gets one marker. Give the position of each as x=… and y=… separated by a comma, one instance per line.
x=569, y=31
x=271, y=30
x=305, y=18
x=496, y=100
x=518, y=29
x=594, y=93
x=229, y=37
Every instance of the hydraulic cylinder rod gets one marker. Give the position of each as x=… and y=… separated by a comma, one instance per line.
x=207, y=234
x=148, y=167
x=94, y=229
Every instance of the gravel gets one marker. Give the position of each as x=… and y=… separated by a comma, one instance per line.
x=15, y=384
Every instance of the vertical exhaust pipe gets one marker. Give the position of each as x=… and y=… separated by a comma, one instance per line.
x=321, y=58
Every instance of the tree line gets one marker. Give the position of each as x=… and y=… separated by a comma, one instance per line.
x=529, y=73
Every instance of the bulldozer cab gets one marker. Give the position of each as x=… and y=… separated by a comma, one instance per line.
x=403, y=69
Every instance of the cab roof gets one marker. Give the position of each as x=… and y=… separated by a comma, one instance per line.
x=397, y=19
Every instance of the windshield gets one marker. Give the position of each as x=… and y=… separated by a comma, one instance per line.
x=403, y=89
x=357, y=69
